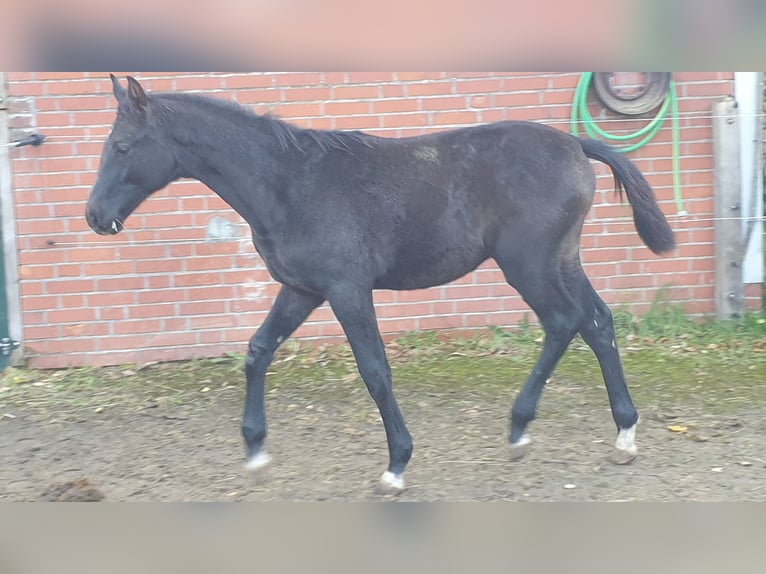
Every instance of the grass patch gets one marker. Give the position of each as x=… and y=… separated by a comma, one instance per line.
x=669, y=359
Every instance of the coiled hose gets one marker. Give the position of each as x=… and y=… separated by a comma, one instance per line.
x=581, y=115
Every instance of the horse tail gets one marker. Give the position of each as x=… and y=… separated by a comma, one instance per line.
x=651, y=224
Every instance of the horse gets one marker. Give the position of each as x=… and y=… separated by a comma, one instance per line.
x=336, y=215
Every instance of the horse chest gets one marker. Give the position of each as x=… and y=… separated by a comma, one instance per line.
x=284, y=268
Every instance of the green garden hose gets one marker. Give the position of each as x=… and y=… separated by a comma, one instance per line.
x=581, y=114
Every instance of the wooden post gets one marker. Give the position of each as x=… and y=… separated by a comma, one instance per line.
x=729, y=288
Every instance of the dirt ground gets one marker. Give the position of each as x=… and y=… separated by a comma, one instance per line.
x=132, y=441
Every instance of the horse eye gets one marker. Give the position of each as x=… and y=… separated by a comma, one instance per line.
x=122, y=147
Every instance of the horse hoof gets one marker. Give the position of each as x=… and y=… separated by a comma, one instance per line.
x=391, y=483
x=625, y=450
x=518, y=450
x=619, y=456
x=258, y=462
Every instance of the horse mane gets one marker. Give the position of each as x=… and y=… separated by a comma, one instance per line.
x=287, y=135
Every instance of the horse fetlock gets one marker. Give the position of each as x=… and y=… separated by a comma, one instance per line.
x=519, y=425
x=522, y=413
x=254, y=437
x=625, y=418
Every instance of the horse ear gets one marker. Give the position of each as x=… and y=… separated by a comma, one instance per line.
x=137, y=94
x=120, y=94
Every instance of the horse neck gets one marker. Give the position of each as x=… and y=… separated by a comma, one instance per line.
x=242, y=162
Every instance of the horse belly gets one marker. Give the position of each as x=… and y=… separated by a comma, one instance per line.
x=419, y=269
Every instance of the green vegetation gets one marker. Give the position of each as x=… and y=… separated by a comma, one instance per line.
x=670, y=359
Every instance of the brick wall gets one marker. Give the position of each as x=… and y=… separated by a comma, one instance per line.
x=163, y=290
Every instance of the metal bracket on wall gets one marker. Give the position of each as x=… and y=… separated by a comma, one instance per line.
x=7, y=345
x=34, y=139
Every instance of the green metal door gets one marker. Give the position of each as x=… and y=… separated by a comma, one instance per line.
x=6, y=345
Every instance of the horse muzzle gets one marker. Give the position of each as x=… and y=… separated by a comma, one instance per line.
x=112, y=227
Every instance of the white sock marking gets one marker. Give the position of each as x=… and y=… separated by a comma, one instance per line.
x=524, y=440
x=626, y=440
x=258, y=461
x=391, y=480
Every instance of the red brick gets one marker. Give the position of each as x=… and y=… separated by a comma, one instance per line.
x=199, y=83
x=158, y=310
x=444, y=103
x=71, y=315
x=298, y=79
x=70, y=87
x=122, y=342
x=222, y=321
x=41, y=332
x=458, y=117
x=158, y=281
x=466, y=291
x=478, y=305
x=440, y=322
x=369, y=77
x=431, y=89
x=161, y=296
x=355, y=92
x=84, y=103
x=306, y=94
x=409, y=120
x=259, y=97
x=128, y=283
x=347, y=108
x=202, y=308
x=196, y=279
x=158, y=265
x=397, y=105
x=240, y=81
x=69, y=286
x=108, y=268
x=101, y=299
x=142, y=326
x=418, y=76
x=357, y=122
x=68, y=345
x=112, y=313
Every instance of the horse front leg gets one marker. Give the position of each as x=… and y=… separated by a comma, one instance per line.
x=290, y=310
x=355, y=310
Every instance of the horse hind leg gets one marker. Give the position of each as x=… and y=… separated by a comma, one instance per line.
x=559, y=332
x=544, y=290
x=597, y=330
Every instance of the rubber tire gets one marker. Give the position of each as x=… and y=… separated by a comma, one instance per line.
x=656, y=91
